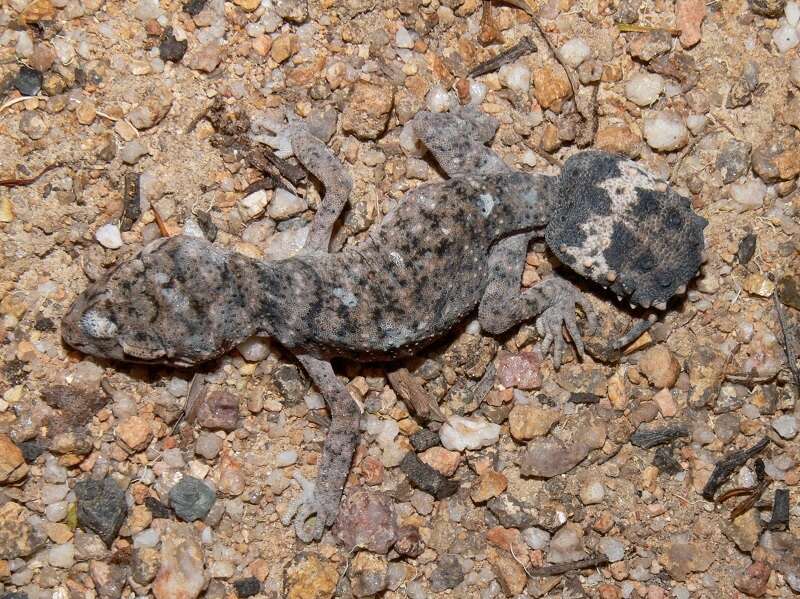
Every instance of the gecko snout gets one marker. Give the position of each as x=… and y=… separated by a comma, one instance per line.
x=89, y=328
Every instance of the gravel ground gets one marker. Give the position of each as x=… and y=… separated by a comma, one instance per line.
x=108, y=489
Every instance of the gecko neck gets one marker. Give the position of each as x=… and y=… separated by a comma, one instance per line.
x=277, y=294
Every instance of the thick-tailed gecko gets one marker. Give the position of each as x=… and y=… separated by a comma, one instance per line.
x=448, y=248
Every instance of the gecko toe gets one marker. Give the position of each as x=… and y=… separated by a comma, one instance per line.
x=305, y=532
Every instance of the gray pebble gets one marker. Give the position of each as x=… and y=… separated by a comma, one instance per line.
x=447, y=575
x=132, y=151
x=613, y=548
x=208, y=445
x=101, y=507
x=191, y=499
x=28, y=81
x=33, y=124
x=785, y=426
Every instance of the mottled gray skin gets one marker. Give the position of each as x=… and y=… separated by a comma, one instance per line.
x=448, y=248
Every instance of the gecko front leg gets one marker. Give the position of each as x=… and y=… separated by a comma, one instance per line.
x=321, y=162
x=504, y=304
x=337, y=452
x=456, y=140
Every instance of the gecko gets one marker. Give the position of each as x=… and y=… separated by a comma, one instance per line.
x=449, y=248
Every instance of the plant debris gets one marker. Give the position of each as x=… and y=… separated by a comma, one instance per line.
x=584, y=398
x=647, y=438
x=747, y=247
x=131, y=202
x=725, y=468
x=780, y=511
x=788, y=341
x=31, y=180
x=409, y=390
x=665, y=461
x=521, y=48
x=557, y=569
x=752, y=494
x=426, y=478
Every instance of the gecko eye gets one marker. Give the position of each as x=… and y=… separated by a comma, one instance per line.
x=98, y=326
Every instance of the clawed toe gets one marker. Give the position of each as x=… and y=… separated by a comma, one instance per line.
x=303, y=508
x=307, y=534
x=562, y=315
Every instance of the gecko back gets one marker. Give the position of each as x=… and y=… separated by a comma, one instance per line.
x=618, y=225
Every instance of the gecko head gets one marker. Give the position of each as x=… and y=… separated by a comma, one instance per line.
x=166, y=305
x=623, y=228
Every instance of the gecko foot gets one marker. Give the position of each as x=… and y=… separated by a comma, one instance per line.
x=305, y=507
x=561, y=312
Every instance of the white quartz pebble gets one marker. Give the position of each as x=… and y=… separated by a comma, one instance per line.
x=460, y=433
x=109, y=236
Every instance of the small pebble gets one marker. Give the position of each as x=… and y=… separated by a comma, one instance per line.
x=285, y=205
x=792, y=13
x=147, y=9
x=477, y=91
x=208, y=445
x=460, y=433
x=613, y=548
x=24, y=47
x=286, y=458
x=206, y=58
x=147, y=538
x=28, y=81
x=171, y=49
x=785, y=426
x=109, y=236
x=592, y=492
x=439, y=100
x=191, y=499
x=748, y=195
x=64, y=50
x=132, y=151
x=403, y=39
x=566, y=545
x=422, y=502
x=785, y=38
x=254, y=349
x=367, y=520
x=285, y=244
x=665, y=131
x=574, y=52
x=33, y=124
x=696, y=123
x=536, y=538
x=252, y=205
x=56, y=512
x=644, y=88
x=101, y=507
x=62, y=556
x=152, y=109
x=660, y=367
x=516, y=77
x=247, y=587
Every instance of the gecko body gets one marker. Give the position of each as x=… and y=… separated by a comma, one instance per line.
x=448, y=248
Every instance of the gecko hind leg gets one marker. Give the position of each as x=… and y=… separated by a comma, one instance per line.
x=320, y=162
x=456, y=140
x=504, y=304
x=321, y=501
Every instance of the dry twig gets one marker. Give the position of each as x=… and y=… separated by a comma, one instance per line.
x=29, y=181
x=788, y=342
x=410, y=391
